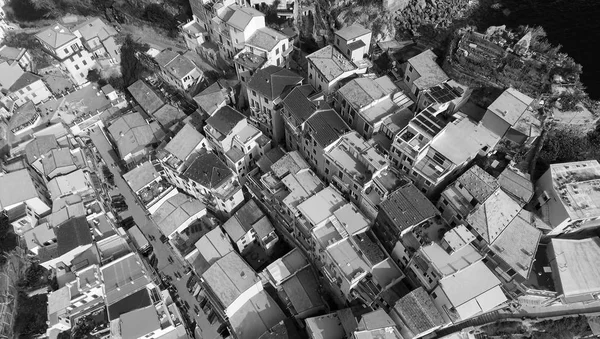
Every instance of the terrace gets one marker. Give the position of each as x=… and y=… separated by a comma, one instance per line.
x=154, y=191
x=578, y=185
x=185, y=242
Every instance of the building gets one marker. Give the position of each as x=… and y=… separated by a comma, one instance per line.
x=360, y=171
x=266, y=89
x=565, y=197
x=161, y=320
x=29, y=87
x=338, y=325
x=205, y=177
x=376, y=324
x=67, y=47
x=169, y=117
x=248, y=226
x=573, y=268
x=21, y=56
x=215, y=96
x=181, y=147
x=403, y=210
x=431, y=151
x=98, y=38
x=148, y=185
x=60, y=161
x=177, y=213
x=266, y=47
x=24, y=119
x=467, y=293
x=512, y=116
x=10, y=73
x=365, y=103
x=146, y=97
x=133, y=137
x=76, y=299
x=178, y=70
x=211, y=247
x=237, y=143
x=417, y=314
x=72, y=238
x=422, y=72
x=78, y=182
x=23, y=199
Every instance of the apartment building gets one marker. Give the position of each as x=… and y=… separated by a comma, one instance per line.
x=67, y=47
x=266, y=47
x=72, y=238
x=133, y=137
x=365, y=103
x=147, y=184
x=431, y=150
x=29, y=87
x=177, y=70
x=237, y=143
x=565, y=197
x=421, y=72
x=266, y=90
x=215, y=96
x=249, y=227
x=24, y=198
x=20, y=56
x=336, y=325
x=176, y=212
x=98, y=38
x=416, y=314
x=333, y=63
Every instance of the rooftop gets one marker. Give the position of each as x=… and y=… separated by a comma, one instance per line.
x=168, y=115
x=57, y=159
x=184, y=142
x=300, y=186
x=212, y=98
x=225, y=119
x=576, y=271
x=348, y=260
x=353, y=31
x=330, y=62
x=123, y=277
x=256, y=316
x=493, y=216
x=578, y=185
x=286, y=329
x=290, y=163
x=132, y=133
x=418, y=311
x=321, y=205
x=213, y=246
x=518, y=243
x=72, y=234
x=407, y=207
x=39, y=235
x=286, y=266
x=56, y=36
x=242, y=16
x=265, y=38
x=208, y=170
x=457, y=238
x=352, y=219
x=302, y=289
x=337, y=325
x=180, y=66
x=361, y=92
x=249, y=60
x=298, y=103
x=448, y=263
x=39, y=146
x=327, y=126
x=516, y=184
x=356, y=157
x=462, y=140
x=145, y=96
x=138, y=323
x=16, y=187
x=430, y=73
x=140, y=176
x=474, y=289
x=272, y=81
x=229, y=277
x=73, y=182
x=95, y=27
x=511, y=105
x=176, y=211
x=23, y=81
x=478, y=183
x=24, y=116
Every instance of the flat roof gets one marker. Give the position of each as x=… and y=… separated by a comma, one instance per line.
x=353, y=31
x=16, y=187
x=352, y=219
x=176, y=211
x=330, y=62
x=321, y=205
x=578, y=186
x=511, y=105
x=229, y=277
x=290, y=163
x=336, y=325
x=301, y=186
x=347, y=259
x=38, y=235
x=123, y=277
x=446, y=263
x=492, y=217
x=286, y=266
x=576, y=265
x=138, y=323
x=430, y=72
x=256, y=316
x=469, y=283
x=461, y=140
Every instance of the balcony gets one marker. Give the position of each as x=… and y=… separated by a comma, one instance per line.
x=154, y=191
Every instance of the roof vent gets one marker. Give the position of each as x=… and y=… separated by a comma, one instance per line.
x=243, y=274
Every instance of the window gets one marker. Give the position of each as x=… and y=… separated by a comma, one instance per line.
x=253, y=93
x=77, y=67
x=438, y=158
x=33, y=95
x=283, y=48
x=434, y=295
x=266, y=100
x=407, y=78
x=326, y=162
x=84, y=62
x=66, y=51
x=427, y=183
x=341, y=175
x=21, y=92
x=310, y=76
x=28, y=88
x=278, y=62
x=348, y=52
x=410, y=69
x=276, y=51
x=327, y=171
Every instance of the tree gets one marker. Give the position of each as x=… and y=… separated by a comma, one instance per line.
x=93, y=75
x=131, y=67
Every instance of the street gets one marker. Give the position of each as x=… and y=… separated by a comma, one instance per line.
x=163, y=251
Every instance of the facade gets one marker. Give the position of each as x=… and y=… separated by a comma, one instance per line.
x=29, y=87
x=297, y=106
x=421, y=73
x=24, y=198
x=19, y=55
x=266, y=47
x=98, y=38
x=365, y=103
x=249, y=226
x=266, y=89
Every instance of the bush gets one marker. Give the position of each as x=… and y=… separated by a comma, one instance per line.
x=31, y=317
x=35, y=277
x=131, y=68
x=8, y=240
x=565, y=328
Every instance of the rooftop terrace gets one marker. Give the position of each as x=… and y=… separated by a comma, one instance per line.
x=578, y=185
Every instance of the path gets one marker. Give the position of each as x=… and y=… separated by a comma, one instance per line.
x=161, y=250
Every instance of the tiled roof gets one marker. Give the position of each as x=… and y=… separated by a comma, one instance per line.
x=56, y=159
x=352, y=31
x=303, y=291
x=331, y=62
x=241, y=17
x=265, y=38
x=184, y=142
x=229, y=277
x=430, y=72
x=478, y=183
x=174, y=212
x=298, y=104
x=492, y=217
x=72, y=234
x=270, y=82
x=24, y=80
x=328, y=126
x=95, y=27
x=141, y=176
x=407, y=207
x=518, y=185
x=361, y=92
x=56, y=36
x=225, y=119
x=418, y=311
x=164, y=57
x=211, y=98
x=123, y=277
x=23, y=115
x=145, y=96
x=180, y=66
x=168, y=115
x=132, y=133
x=208, y=170
x=40, y=146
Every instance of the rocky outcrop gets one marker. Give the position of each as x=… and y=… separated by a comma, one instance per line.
x=438, y=13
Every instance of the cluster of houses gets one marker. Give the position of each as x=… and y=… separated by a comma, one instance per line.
x=391, y=190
